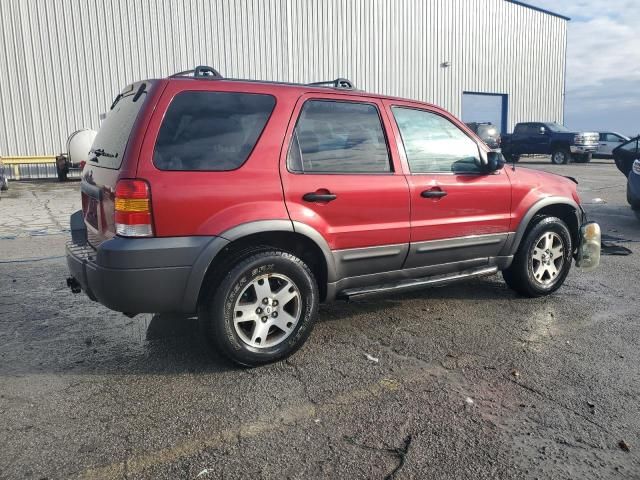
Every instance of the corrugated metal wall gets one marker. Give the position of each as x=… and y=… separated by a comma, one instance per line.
x=63, y=61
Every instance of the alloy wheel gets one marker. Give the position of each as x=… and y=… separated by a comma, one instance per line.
x=267, y=310
x=558, y=158
x=547, y=258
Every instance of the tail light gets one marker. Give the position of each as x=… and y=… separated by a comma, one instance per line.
x=82, y=164
x=133, y=209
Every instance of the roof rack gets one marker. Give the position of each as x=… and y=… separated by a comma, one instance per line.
x=201, y=71
x=337, y=83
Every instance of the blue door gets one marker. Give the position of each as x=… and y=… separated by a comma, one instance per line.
x=485, y=107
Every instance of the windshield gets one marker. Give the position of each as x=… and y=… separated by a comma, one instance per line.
x=110, y=142
x=556, y=127
x=487, y=130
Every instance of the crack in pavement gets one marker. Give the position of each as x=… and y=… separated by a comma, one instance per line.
x=138, y=462
x=400, y=452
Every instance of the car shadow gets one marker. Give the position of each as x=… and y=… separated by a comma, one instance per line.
x=111, y=344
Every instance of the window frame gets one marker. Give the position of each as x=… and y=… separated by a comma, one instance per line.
x=618, y=139
x=258, y=138
x=402, y=148
x=635, y=140
x=335, y=99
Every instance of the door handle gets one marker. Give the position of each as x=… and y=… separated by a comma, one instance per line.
x=433, y=193
x=319, y=197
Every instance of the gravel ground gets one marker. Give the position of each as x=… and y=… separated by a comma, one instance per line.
x=464, y=381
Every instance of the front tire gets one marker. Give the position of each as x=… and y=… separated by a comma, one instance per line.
x=560, y=156
x=543, y=259
x=263, y=310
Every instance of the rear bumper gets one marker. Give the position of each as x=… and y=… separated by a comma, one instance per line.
x=146, y=275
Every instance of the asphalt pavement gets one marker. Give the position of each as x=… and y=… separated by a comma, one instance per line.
x=463, y=381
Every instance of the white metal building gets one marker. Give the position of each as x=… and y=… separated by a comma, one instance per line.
x=62, y=62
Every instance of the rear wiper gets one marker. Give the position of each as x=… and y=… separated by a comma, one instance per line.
x=99, y=152
x=115, y=102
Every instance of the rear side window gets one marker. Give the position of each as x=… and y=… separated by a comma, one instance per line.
x=338, y=137
x=110, y=142
x=213, y=131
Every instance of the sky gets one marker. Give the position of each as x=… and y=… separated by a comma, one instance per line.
x=603, y=63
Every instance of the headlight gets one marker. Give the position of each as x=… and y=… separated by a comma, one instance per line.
x=636, y=167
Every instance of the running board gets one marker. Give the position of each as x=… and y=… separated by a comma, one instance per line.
x=414, y=283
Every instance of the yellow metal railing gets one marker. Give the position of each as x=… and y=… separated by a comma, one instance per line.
x=28, y=159
x=12, y=164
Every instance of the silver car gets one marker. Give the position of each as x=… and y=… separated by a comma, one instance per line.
x=609, y=141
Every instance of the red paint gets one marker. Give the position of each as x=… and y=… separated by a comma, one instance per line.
x=369, y=210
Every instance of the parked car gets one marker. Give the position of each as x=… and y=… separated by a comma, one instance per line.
x=549, y=138
x=251, y=202
x=608, y=141
x=627, y=158
x=4, y=181
x=487, y=132
x=633, y=186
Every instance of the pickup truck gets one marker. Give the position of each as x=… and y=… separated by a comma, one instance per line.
x=549, y=138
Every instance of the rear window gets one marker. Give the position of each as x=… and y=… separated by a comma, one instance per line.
x=111, y=141
x=213, y=131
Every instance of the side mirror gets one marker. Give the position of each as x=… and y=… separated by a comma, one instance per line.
x=495, y=161
x=542, y=130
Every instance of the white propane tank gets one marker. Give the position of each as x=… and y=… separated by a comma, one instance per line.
x=78, y=145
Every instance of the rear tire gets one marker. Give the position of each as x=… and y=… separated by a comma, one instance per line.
x=560, y=156
x=263, y=310
x=543, y=259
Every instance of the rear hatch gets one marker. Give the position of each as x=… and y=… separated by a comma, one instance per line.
x=107, y=161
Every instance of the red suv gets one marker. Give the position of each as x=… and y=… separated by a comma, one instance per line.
x=250, y=202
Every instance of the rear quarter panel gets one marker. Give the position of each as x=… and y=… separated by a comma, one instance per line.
x=210, y=202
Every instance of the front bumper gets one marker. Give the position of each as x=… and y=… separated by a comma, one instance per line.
x=146, y=275
x=582, y=149
x=590, y=241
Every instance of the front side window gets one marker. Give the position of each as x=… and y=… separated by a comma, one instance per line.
x=435, y=145
x=338, y=137
x=213, y=131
